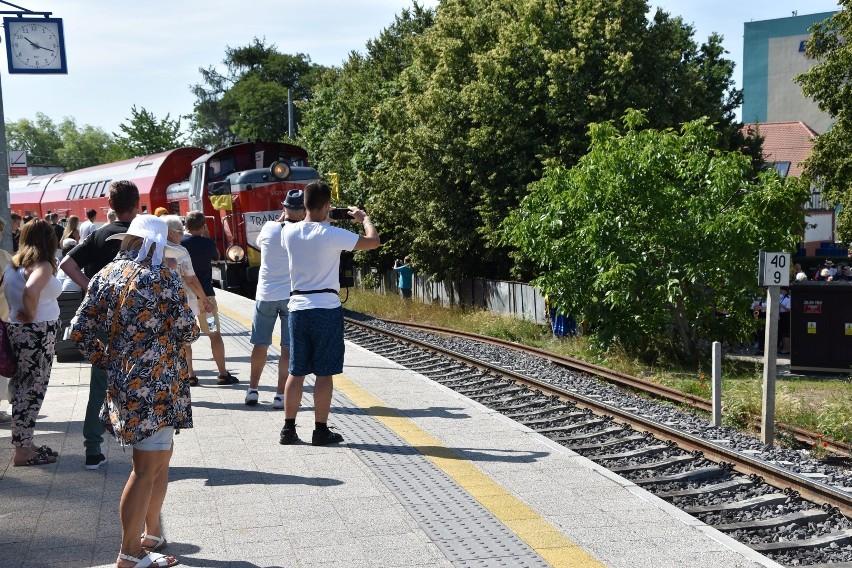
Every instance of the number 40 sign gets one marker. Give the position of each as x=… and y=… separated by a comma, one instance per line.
x=774, y=269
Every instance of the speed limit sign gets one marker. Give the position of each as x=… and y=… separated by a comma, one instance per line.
x=774, y=269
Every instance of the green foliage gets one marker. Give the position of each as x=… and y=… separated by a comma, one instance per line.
x=653, y=235
x=441, y=126
x=40, y=138
x=830, y=85
x=66, y=145
x=85, y=147
x=249, y=101
x=344, y=127
x=144, y=134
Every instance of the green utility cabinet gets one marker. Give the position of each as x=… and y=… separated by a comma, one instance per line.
x=821, y=327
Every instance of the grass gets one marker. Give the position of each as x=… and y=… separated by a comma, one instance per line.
x=823, y=405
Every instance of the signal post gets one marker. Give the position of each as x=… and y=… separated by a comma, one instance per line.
x=773, y=274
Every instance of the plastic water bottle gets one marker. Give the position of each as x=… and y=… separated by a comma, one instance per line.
x=211, y=323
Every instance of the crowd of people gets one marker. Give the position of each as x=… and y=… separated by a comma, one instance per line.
x=148, y=297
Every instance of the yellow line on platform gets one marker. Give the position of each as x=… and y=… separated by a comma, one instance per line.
x=537, y=532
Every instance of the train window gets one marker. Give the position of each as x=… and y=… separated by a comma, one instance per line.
x=70, y=195
x=104, y=187
x=84, y=193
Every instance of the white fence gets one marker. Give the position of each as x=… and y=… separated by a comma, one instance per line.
x=509, y=298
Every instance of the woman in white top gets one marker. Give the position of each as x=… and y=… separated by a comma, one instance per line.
x=31, y=290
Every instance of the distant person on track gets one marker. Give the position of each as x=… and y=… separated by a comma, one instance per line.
x=81, y=264
x=202, y=251
x=273, y=294
x=406, y=275
x=88, y=226
x=316, y=316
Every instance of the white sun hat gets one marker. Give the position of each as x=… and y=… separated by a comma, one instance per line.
x=153, y=232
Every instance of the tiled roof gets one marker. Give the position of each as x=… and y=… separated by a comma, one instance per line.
x=785, y=142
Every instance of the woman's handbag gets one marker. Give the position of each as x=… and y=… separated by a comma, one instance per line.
x=8, y=361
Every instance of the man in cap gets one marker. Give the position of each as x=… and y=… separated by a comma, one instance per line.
x=273, y=294
x=91, y=255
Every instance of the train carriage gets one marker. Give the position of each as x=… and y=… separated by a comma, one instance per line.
x=80, y=190
x=238, y=188
x=25, y=194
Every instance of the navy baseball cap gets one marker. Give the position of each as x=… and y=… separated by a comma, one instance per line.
x=295, y=199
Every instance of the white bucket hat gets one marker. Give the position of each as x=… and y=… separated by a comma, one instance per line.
x=154, y=232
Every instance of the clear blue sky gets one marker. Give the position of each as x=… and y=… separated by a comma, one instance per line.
x=147, y=53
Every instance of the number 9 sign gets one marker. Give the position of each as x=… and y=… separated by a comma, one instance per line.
x=774, y=269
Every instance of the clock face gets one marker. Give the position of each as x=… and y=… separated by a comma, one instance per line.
x=35, y=45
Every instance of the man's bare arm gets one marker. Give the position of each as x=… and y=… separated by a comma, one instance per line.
x=74, y=272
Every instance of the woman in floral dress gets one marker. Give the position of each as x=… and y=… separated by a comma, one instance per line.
x=140, y=303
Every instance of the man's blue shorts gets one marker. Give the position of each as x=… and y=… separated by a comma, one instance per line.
x=316, y=342
x=263, y=322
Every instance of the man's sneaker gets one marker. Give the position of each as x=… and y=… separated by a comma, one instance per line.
x=251, y=397
x=278, y=401
x=94, y=462
x=288, y=436
x=325, y=437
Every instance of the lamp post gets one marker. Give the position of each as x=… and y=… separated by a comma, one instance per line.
x=34, y=45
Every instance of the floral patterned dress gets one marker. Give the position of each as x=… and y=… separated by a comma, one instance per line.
x=145, y=364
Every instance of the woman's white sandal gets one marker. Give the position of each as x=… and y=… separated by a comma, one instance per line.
x=150, y=560
x=160, y=540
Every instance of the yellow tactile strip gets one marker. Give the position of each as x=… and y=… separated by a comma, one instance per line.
x=535, y=531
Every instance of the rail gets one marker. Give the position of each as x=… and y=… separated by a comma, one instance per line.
x=809, y=489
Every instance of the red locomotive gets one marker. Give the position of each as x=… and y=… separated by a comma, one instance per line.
x=239, y=188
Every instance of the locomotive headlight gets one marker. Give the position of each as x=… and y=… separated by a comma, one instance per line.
x=235, y=253
x=280, y=170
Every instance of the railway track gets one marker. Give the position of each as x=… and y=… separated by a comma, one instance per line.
x=662, y=392
x=790, y=517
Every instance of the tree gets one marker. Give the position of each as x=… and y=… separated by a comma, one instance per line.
x=85, y=147
x=496, y=89
x=146, y=135
x=341, y=130
x=40, y=138
x=829, y=83
x=249, y=100
x=65, y=145
x=654, y=234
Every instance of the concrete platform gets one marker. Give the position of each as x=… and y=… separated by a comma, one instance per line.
x=425, y=478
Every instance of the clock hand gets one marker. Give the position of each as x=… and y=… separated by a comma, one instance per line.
x=32, y=42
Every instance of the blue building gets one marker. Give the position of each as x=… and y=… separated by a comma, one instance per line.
x=773, y=54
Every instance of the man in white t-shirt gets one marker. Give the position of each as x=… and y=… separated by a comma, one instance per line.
x=273, y=294
x=316, y=316
x=88, y=226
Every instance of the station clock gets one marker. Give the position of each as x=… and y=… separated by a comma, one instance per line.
x=35, y=45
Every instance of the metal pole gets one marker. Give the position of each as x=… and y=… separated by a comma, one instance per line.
x=289, y=114
x=717, y=384
x=767, y=430
x=5, y=209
